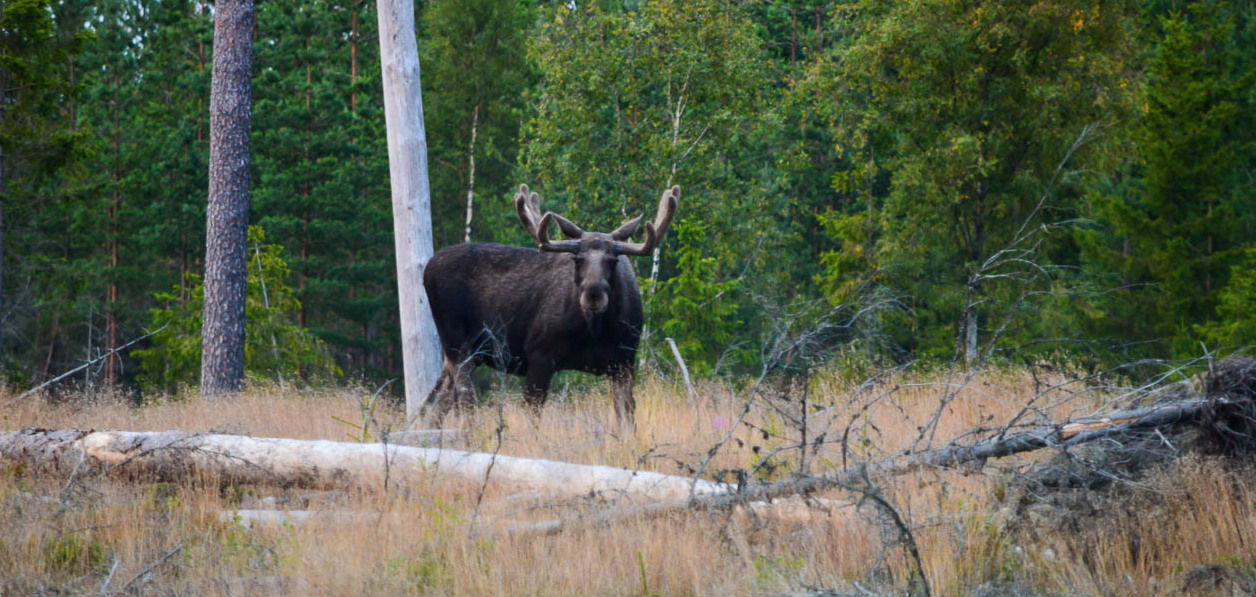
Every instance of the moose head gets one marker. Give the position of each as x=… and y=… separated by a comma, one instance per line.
x=596, y=254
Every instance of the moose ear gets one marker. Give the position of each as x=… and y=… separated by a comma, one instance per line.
x=627, y=229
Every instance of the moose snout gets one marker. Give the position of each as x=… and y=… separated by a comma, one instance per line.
x=594, y=298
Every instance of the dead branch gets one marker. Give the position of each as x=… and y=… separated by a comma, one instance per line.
x=32, y=391
x=1064, y=435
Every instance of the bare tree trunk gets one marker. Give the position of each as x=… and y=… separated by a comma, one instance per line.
x=970, y=337
x=411, y=196
x=353, y=62
x=475, y=124
x=226, y=225
x=3, y=194
x=113, y=362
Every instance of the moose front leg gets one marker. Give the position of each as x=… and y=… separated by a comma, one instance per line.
x=464, y=389
x=536, y=383
x=622, y=380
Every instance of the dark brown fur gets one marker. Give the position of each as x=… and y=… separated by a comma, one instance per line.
x=574, y=305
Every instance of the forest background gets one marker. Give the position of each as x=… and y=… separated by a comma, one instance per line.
x=1041, y=179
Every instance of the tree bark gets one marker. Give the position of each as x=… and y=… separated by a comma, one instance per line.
x=113, y=362
x=226, y=226
x=2, y=271
x=3, y=194
x=353, y=62
x=411, y=196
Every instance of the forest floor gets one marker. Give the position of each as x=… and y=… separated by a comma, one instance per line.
x=1180, y=529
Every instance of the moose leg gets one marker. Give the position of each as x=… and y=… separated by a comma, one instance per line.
x=622, y=379
x=442, y=396
x=464, y=391
x=536, y=383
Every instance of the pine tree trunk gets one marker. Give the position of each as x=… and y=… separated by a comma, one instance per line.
x=226, y=225
x=3, y=194
x=113, y=363
x=411, y=196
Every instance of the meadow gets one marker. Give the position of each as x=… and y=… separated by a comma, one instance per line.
x=977, y=530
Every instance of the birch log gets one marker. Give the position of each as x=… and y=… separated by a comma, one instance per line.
x=324, y=464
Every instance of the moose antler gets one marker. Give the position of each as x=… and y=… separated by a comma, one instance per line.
x=655, y=230
x=528, y=206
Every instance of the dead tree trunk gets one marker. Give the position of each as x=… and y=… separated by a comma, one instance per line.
x=411, y=196
x=227, y=216
x=322, y=464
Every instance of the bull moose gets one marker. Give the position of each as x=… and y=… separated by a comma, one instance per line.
x=573, y=304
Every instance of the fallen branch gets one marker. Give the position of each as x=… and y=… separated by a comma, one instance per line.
x=322, y=464
x=1070, y=434
x=32, y=391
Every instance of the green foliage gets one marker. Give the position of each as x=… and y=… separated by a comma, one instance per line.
x=475, y=75
x=36, y=135
x=697, y=310
x=74, y=554
x=965, y=111
x=1172, y=233
x=322, y=172
x=1235, y=323
x=827, y=153
x=275, y=347
x=631, y=101
x=39, y=140
x=849, y=267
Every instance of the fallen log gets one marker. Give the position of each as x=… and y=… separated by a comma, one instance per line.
x=1227, y=412
x=322, y=464
x=328, y=464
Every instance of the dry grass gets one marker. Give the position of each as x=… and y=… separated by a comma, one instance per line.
x=70, y=539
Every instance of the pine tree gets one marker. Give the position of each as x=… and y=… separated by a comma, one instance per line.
x=222, y=359
x=38, y=137
x=1177, y=229
x=474, y=54
x=322, y=186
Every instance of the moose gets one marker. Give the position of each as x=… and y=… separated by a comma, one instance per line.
x=572, y=304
